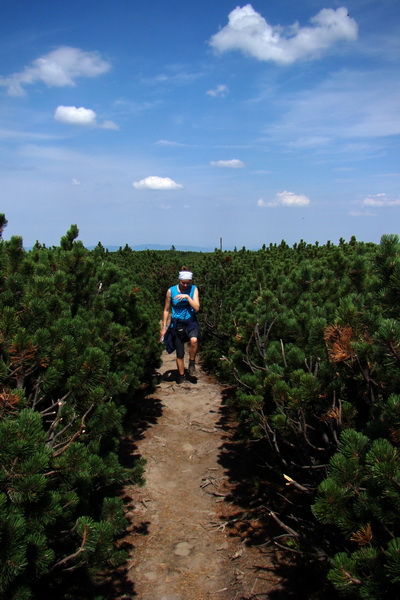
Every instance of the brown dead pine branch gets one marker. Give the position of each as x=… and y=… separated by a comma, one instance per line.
x=290, y=481
x=75, y=554
x=283, y=525
x=57, y=403
x=77, y=434
x=240, y=381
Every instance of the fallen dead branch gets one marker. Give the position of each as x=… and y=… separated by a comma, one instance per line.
x=282, y=524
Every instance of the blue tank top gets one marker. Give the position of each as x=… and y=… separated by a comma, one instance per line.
x=181, y=309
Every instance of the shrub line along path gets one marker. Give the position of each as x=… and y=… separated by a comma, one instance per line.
x=181, y=546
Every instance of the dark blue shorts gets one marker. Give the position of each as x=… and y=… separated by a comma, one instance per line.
x=183, y=333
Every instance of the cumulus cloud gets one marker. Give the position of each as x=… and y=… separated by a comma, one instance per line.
x=75, y=116
x=250, y=33
x=379, y=200
x=235, y=163
x=71, y=115
x=219, y=92
x=59, y=68
x=153, y=182
x=286, y=199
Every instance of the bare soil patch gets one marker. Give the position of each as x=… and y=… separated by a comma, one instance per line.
x=186, y=541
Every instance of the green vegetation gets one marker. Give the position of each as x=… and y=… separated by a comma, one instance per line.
x=78, y=341
x=308, y=338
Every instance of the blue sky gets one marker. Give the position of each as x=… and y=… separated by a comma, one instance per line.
x=184, y=122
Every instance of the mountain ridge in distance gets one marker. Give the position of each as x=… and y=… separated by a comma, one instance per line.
x=140, y=247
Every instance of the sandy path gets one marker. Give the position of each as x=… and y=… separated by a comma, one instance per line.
x=181, y=547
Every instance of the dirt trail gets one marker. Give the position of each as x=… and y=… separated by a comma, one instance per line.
x=181, y=547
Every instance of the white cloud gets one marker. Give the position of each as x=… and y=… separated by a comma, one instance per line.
x=249, y=32
x=286, y=199
x=379, y=200
x=75, y=182
x=75, y=116
x=71, y=115
x=157, y=183
x=59, y=68
x=235, y=163
x=219, y=92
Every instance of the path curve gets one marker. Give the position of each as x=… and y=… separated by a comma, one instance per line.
x=182, y=549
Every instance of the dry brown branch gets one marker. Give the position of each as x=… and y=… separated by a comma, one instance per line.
x=75, y=554
x=56, y=404
x=8, y=401
x=350, y=578
x=291, y=481
x=338, y=341
x=281, y=524
x=363, y=536
x=78, y=433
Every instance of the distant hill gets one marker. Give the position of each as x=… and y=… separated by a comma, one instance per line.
x=149, y=247
x=159, y=247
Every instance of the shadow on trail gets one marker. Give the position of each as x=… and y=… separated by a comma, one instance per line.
x=118, y=587
x=255, y=489
x=143, y=412
x=173, y=376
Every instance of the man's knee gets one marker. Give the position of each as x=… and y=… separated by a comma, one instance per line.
x=193, y=341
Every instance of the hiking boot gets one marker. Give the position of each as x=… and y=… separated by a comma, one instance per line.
x=181, y=379
x=192, y=367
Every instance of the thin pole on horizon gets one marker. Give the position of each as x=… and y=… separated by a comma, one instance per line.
x=220, y=244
